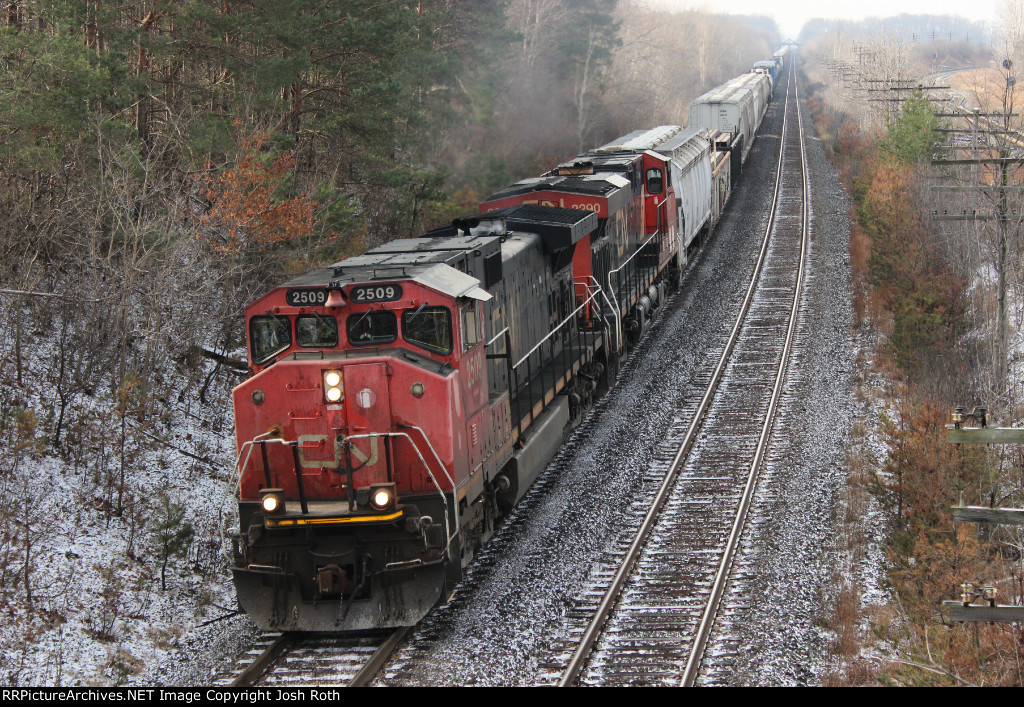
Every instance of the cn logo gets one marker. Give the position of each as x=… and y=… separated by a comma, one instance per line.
x=309, y=443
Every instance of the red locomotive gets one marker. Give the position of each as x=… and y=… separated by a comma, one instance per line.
x=402, y=401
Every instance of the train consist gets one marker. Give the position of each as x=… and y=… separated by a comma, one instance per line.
x=402, y=401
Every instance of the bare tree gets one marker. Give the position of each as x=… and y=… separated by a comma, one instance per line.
x=1010, y=28
x=536, y=21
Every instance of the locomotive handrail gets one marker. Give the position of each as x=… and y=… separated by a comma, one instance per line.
x=238, y=484
x=432, y=451
x=266, y=467
x=249, y=445
x=636, y=252
x=444, y=503
x=447, y=520
x=514, y=369
x=615, y=312
x=551, y=333
x=496, y=337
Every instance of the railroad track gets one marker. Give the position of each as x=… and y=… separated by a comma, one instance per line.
x=656, y=635
x=651, y=623
x=299, y=660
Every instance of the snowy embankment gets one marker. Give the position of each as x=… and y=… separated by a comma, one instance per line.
x=111, y=563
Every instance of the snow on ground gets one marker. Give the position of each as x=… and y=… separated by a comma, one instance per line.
x=98, y=614
x=505, y=631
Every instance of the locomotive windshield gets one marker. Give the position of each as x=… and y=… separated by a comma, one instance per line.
x=269, y=335
x=429, y=328
x=316, y=330
x=371, y=328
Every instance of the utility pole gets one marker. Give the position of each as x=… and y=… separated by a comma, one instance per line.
x=965, y=609
x=1002, y=335
x=993, y=141
x=974, y=146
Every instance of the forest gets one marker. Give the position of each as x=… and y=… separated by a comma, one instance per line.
x=163, y=162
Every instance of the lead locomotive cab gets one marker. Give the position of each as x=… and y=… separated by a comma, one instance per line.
x=350, y=433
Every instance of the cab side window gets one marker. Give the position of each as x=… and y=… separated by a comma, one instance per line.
x=429, y=328
x=470, y=325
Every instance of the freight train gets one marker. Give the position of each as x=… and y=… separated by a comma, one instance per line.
x=402, y=401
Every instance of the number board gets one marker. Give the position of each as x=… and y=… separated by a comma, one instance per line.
x=306, y=297
x=375, y=293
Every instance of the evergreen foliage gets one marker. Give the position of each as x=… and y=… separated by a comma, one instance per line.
x=913, y=135
x=171, y=533
x=920, y=291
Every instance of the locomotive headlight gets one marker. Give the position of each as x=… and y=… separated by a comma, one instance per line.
x=382, y=496
x=417, y=389
x=334, y=389
x=272, y=501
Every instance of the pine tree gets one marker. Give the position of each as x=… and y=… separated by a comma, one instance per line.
x=171, y=533
x=913, y=135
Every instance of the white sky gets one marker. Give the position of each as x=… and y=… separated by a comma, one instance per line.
x=790, y=15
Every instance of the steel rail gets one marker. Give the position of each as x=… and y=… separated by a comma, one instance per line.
x=379, y=658
x=255, y=670
x=697, y=649
x=264, y=665
x=610, y=596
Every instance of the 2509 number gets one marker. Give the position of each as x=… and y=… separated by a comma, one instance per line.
x=306, y=298
x=375, y=293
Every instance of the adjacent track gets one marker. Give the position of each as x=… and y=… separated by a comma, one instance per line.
x=652, y=623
